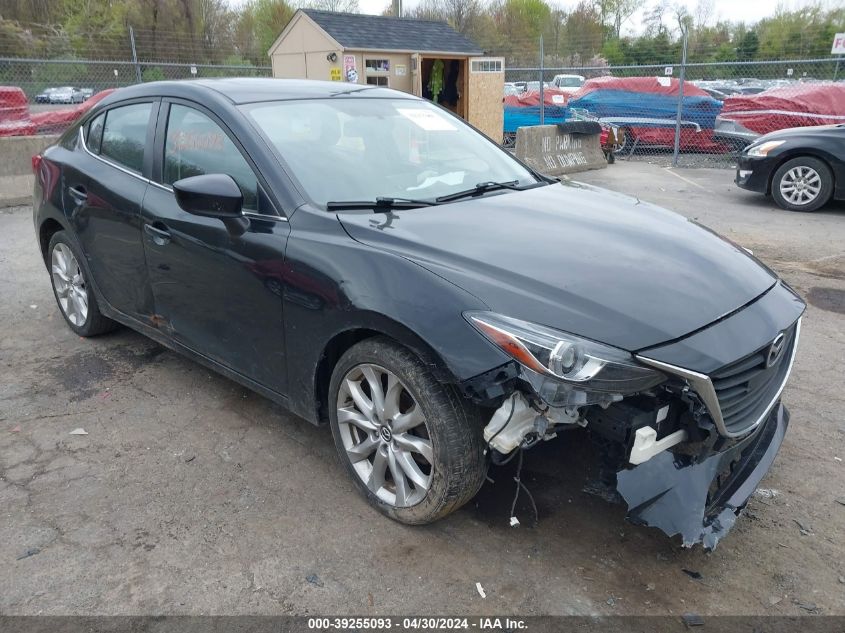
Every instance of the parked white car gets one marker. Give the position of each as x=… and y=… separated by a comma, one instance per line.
x=67, y=94
x=568, y=83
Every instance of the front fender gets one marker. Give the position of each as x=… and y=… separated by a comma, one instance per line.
x=335, y=285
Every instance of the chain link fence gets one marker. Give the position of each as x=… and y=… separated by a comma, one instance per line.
x=33, y=76
x=40, y=96
x=49, y=77
x=687, y=114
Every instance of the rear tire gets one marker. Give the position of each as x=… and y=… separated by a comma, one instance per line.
x=412, y=445
x=72, y=289
x=802, y=184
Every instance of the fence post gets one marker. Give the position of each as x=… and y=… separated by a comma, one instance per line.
x=135, y=55
x=684, y=32
x=542, y=96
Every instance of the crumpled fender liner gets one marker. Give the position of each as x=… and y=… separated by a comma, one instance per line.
x=671, y=495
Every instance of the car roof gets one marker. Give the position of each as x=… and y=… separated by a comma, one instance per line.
x=241, y=90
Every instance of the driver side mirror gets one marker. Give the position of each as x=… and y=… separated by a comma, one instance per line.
x=210, y=196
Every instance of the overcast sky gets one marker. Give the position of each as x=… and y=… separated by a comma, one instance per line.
x=748, y=11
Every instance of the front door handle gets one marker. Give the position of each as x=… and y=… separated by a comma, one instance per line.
x=78, y=193
x=159, y=234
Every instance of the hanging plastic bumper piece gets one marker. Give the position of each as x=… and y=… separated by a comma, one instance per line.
x=701, y=500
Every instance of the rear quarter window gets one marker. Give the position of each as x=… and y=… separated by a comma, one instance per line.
x=70, y=138
x=95, y=133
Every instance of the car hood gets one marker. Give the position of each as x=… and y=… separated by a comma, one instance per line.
x=577, y=258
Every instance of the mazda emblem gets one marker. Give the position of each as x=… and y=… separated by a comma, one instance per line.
x=775, y=349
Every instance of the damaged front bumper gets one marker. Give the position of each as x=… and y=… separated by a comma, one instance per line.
x=701, y=500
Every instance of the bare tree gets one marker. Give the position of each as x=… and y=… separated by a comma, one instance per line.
x=427, y=10
x=683, y=17
x=621, y=11
x=703, y=13
x=653, y=18
x=616, y=12
x=461, y=13
x=342, y=6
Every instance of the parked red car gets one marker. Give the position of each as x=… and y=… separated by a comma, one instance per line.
x=16, y=120
x=746, y=117
x=53, y=121
x=14, y=112
x=644, y=110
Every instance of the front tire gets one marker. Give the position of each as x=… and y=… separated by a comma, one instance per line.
x=802, y=184
x=72, y=290
x=412, y=445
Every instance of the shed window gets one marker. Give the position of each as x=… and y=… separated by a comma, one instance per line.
x=377, y=65
x=377, y=81
x=486, y=66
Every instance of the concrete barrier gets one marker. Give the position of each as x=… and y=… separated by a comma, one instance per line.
x=560, y=149
x=16, y=179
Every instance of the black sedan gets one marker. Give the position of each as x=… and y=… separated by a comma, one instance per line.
x=802, y=168
x=368, y=260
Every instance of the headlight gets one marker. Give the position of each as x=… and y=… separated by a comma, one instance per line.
x=564, y=369
x=763, y=149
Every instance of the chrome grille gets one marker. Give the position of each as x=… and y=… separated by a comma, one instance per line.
x=747, y=388
x=738, y=396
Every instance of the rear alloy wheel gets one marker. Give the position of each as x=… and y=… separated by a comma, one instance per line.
x=69, y=284
x=624, y=141
x=73, y=293
x=802, y=184
x=412, y=445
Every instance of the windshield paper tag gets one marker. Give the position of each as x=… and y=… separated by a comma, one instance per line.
x=427, y=120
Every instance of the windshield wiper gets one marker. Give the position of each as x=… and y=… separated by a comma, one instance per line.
x=379, y=204
x=484, y=187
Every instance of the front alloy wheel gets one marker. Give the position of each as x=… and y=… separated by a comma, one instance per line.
x=412, y=444
x=385, y=436
x=802, y=184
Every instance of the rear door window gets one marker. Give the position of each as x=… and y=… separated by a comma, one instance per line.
x=125, y=135
x=196, y=145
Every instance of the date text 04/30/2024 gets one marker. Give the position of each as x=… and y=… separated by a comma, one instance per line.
x=416, y=623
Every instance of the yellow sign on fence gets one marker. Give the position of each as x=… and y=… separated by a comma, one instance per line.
x=335, y=74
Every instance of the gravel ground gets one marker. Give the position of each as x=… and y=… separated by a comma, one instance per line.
x=191, y=495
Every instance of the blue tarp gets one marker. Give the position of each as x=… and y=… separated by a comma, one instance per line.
x=516, y=117
x=621, y=103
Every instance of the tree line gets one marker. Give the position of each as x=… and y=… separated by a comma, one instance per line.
x=594, y=32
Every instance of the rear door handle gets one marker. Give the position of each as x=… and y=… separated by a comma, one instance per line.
x=159, y=234
x=78, y=193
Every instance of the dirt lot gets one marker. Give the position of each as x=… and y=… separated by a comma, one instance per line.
x=190, y=494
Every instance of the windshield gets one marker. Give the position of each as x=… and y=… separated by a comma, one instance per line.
x=570, y=82
x=363, y=149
